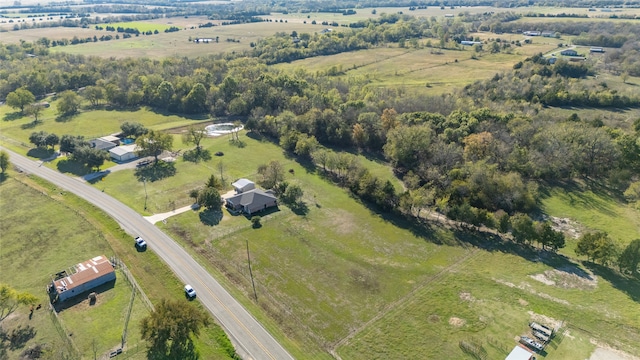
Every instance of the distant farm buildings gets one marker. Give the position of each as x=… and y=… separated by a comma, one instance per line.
x=532, y=33
x=205, y=41
x=596, y=50
x=83, y=277
x=569, y=52
x=470, y=43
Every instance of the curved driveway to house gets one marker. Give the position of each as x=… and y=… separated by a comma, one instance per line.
x=251, y=340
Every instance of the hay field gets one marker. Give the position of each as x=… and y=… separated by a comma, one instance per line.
x=178, y=44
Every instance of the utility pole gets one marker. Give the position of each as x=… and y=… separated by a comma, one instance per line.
x=144, y=182
x=251, y=273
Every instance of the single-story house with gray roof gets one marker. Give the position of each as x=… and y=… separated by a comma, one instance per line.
x=252, y=201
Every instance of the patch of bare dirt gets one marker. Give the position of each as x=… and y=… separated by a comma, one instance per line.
x=566, y=225
x=608, y=353
x=523, y=302
x=433, y=318
x=527, y=287
x=568, y=278
x=465, y=296
x=457, y=322
x=545, y=320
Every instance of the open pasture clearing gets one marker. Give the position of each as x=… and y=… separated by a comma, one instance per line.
x=41, y=237
x=427, y=70
x=367, y=13
x=55, y=33
x=142, y=26
x=599, y=13
x=489, y=300
x=44, y=231
x=595, y=210
x=178, y=43
x=90, y=123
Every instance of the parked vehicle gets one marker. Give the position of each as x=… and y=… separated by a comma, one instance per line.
x=191, y=293
x=140, y=243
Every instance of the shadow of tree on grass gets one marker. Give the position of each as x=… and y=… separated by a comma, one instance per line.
x=19, y=336
x=194, y=156
x=210, y=217
x=156, y=171
x=30, y=125
x=13, y=116
x=72, y=167
x=40, y=153
x=628, y=285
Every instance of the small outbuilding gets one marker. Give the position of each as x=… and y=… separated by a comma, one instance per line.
x=520, y=353
x=243, y=185
x=123, y=152
x=569, y=52
x=102, y=144
x=84, y=277
x=252, y=201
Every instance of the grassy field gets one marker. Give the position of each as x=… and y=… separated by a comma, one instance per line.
x=426, y=70
x=177, y=43
x=382, y=273
x=142, y=26
x=65, y=231
x=492, y=304
x=595, y=211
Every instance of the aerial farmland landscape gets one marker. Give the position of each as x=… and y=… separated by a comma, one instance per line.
x=374, y=179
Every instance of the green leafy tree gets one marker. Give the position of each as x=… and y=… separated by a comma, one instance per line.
x=306, y=145
x=408, y=146
x=596, y=246
x=133, y=129
x=90, y=157
x=633, y=192
x=4, y=161
x=153, y=143
x=271, y=174
x=69, y=143
x=292, y=195
x=194, y=135
x=52, y=140
x=549, y=237
x=164, y=94
x=20, y=98
x=34, y=110
x=196, y=100
x=209, y=197
x=169, y=330
x=11, y=299
x=69, y=103
x=522, y=228
x=39, y=139
x=214, y=182
x=630, y=257
x=504, y=221
x=94, y=94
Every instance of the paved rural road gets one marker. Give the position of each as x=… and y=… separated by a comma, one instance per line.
x=251, y=340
